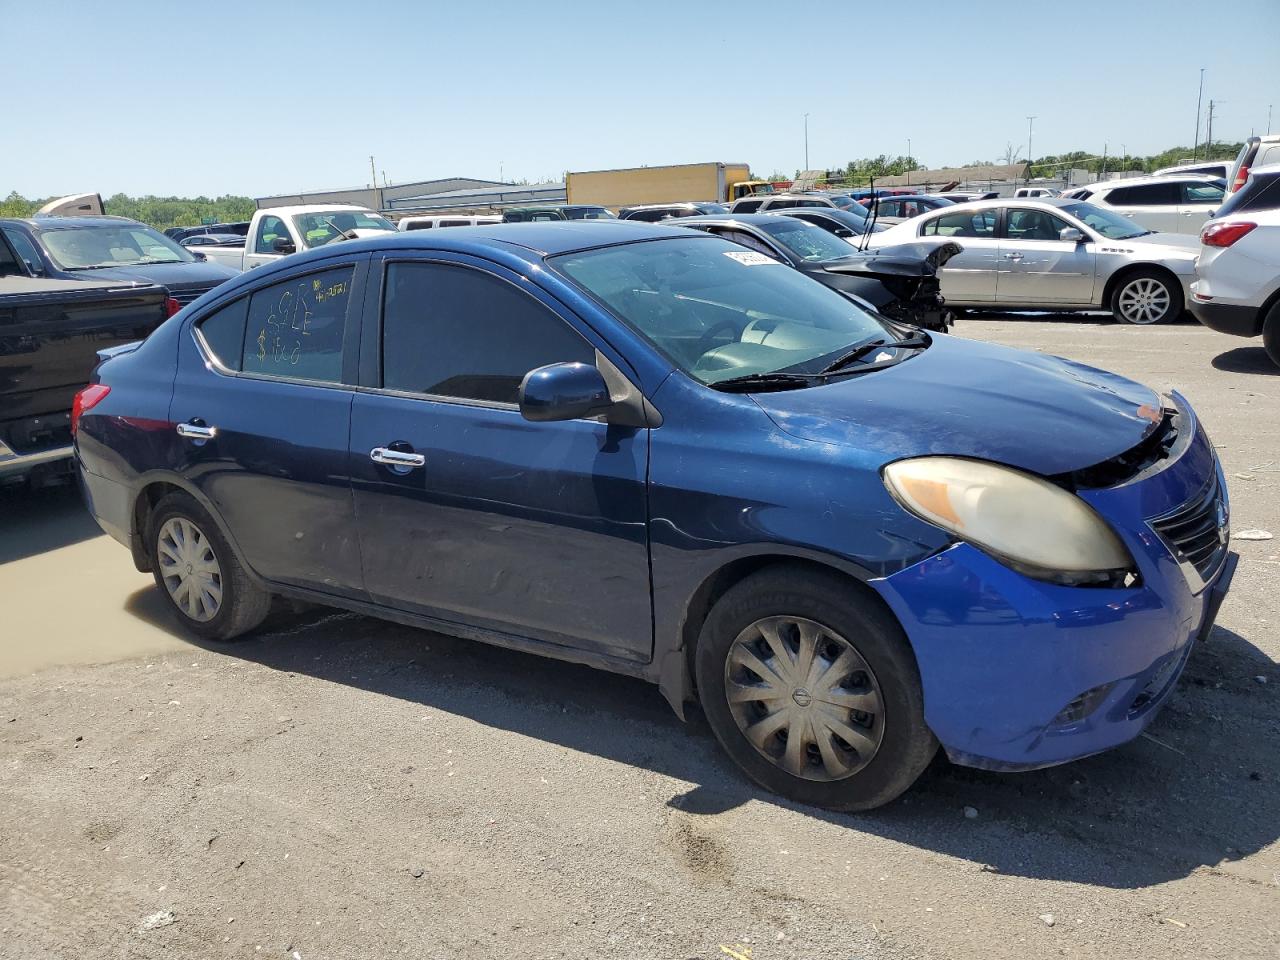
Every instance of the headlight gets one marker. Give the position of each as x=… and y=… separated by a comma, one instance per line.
x=1037, y=528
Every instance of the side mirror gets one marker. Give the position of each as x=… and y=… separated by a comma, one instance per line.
x=199, y=255
x=563, y=391
x=283, y=245
x=1070, y=235
x=843, y=232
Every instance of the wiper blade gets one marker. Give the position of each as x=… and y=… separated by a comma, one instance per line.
x=751, y=382
x=857, y=353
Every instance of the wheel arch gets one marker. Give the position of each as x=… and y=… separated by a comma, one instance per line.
x=151, y=489
x=1114, y=281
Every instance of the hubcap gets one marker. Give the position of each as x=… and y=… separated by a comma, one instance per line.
x=1144, y=301
x=189, y=569
x=804, y=697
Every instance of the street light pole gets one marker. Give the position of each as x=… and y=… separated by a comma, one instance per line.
x=1195, y=148
x=1030, y=122
x=908, y=161
x=806, y=141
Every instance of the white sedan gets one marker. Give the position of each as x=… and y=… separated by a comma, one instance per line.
x=1056, y=255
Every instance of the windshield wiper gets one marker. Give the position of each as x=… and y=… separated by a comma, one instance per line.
x=857, y=353
x=751, y=382
x=344, y=234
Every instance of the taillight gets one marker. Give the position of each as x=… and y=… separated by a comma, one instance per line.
x=1241, y=177
x=171, y=306
x=86, y=399
x=1225, y=234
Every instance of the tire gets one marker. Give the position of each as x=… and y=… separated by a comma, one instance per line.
x=1271, y=333
x=1145, y=297
x=181, y=532
x=868, y=660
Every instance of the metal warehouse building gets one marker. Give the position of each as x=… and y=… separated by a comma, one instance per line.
x=381, y=198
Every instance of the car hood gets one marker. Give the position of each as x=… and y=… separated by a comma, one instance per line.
x=1161, y=244
x=962, y=398
x=175, y=276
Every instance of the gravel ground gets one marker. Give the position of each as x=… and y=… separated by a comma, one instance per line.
x=341, y=787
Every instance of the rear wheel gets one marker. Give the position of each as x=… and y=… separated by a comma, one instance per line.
x=198, y=573
x=812, y=689
x=1145, y=297
x=1271, y=333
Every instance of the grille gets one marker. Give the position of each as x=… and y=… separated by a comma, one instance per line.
x=1197, y=533
x=190, y=293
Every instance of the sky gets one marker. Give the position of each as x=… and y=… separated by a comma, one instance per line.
x=226, y=97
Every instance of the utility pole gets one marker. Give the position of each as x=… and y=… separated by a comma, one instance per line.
x=1103, y=174
x=909, y=161
x=806, y=141
x=373, y=176
x=1030, y=122
x=1269, y=118
x=1195, y=148
x=1208, y=133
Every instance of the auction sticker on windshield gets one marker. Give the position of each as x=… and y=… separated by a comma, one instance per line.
x=749, y=257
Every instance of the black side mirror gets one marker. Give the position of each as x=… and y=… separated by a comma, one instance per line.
x=563, y=391
x=196, y=253
x=283, y=245
x=843, y=232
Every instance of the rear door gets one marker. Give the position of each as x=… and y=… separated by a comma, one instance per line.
x=970, y=276
x=1151, y=205
x=1036, y=267
x=534, y=530
x=262, y=402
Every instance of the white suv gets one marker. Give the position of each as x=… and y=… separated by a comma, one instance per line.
x=1175, y=204
x=1237, y=289
x=1256, y=152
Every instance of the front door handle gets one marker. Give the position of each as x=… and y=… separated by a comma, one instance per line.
x=197, y=431
x=1013, y=256
x=397, y=458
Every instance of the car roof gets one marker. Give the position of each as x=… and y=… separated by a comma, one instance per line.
x=908, y=196
x=315, y=208
x=1141, y=181
x=1265, y=168
x=46, y=223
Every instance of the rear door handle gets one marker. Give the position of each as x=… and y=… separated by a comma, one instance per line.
x=397, y=458
x=1013, y=256
x=196, y=431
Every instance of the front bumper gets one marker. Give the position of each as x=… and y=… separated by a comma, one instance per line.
x=1020, y=674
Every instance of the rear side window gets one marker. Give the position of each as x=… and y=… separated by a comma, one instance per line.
x=747, y=206
x=295, y=329
x=453, y=331
x=965, y=223
x=1201, y=192
x=223, y=332
x=1146, y=195
x=419, y=225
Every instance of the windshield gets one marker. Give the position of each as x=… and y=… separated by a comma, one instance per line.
x=317, y=229
x=804, y=240
x=1110, y=225
x=851, y=206
x=718, y=310
x=116, y=245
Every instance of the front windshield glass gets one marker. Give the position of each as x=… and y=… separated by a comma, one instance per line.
x=113, y=245
x=718, y=310
x=317, y=229
x=1110, y=225
x=804, y=240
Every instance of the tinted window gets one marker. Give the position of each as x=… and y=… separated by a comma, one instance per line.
x=9, y=263
x=1032, y=225
x=1261, y=192
x=747, y=206
x=268, y=229
x=25, y=249
x=295, y=328
x=455, y=223
x=648, y=216
x=419, y=225
x=1146, y=195
x=223, y=333
x=962, y=223
x=457, y=332
x=1202, y=192
x=783, y=204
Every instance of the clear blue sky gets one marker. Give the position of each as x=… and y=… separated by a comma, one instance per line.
x=220, y=96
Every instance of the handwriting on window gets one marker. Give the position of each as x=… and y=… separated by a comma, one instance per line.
x=303, y=320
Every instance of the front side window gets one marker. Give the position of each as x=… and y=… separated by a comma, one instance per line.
x=1032, y=225
x=25, y=249
x=117, y=245
x=454, y=331
x=962, y=223
x=296, y=328
x=269, y=229
x=717, y=310
x=1202, y=192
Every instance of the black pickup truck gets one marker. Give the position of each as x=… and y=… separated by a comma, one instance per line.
x=50, y=335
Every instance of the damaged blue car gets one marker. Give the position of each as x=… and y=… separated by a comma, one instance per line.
x=663, y=454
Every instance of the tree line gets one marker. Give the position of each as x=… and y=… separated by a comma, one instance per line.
x=158, y=212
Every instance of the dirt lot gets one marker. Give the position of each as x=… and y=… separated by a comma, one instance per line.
x=342, y=787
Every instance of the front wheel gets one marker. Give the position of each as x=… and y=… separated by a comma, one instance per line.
x=1146, y=297
x=199, y=574
x=812, y=689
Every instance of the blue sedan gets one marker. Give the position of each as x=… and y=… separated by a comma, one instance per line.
x=670, y=456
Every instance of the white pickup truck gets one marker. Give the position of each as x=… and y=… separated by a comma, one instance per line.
x=279, y=231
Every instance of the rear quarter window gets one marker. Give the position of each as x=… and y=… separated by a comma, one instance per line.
x=223, y=333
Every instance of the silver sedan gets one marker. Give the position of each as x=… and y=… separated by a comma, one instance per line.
x=1055, y=254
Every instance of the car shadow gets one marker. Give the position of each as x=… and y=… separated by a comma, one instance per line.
x=37, y=521
x=1246, y=360
x=1178, y=800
